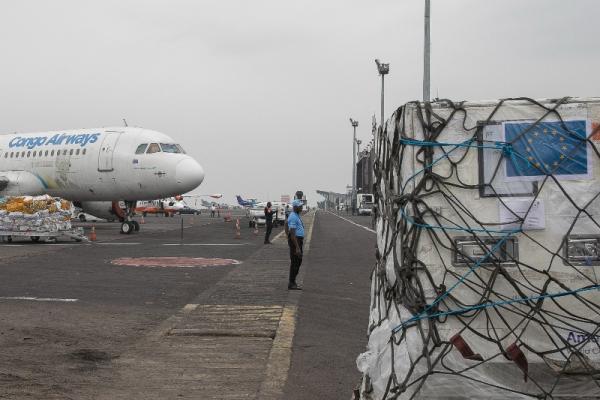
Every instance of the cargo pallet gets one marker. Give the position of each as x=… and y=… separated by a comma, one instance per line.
x=45, y=236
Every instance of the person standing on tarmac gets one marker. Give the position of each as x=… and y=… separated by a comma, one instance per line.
x=212, y=211
x=269, y=222
x=295, y=230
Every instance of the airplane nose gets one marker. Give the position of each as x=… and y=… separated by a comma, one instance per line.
x=189, y=174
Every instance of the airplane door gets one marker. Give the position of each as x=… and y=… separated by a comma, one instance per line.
x=105, y=157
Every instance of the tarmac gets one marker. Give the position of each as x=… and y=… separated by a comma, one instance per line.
x=184, y=309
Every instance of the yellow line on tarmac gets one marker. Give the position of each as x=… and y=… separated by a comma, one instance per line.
x=279, y=357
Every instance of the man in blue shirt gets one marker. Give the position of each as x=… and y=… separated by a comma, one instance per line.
x=295, y=230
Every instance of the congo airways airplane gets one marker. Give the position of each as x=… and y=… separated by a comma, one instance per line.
x=97, y=168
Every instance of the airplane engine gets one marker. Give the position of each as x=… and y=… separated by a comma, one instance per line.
x=109, y=210
x=15, y=183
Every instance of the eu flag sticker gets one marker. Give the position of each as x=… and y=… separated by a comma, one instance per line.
x=547, y=148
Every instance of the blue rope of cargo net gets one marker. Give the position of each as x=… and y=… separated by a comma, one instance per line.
x=424, y=314
x=506, y=149
x=456, y=228
x=495, y=304
x=509, y=152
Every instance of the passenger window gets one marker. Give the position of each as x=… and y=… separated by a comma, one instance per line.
x=46, y=153
x=5, y=155
x=71, y=152
x=22, y=154
x=34, y=153
x=28, y=154
x=83, y=152
x=11, y=154
x=64, y=152
x=153, y=148
x=77, y=152
x=141, y=148
x=52, y=153
x=17, y=154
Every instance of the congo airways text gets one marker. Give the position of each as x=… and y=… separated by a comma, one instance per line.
x=58, y=139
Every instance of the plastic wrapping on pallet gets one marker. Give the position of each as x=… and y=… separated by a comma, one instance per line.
x=488, y=226
x=34, y=214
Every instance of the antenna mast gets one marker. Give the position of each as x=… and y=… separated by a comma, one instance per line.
x=426, y=53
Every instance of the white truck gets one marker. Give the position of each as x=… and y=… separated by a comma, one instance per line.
x=257, y=214
x=364, y=203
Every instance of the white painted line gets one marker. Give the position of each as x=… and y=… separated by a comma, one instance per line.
x=189, y=308
x=118, y=243
x=205, y=244
x=39, y=299
x=37, y=244
x=353, y=223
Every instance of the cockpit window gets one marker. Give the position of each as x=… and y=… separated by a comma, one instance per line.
x=141, y=148
x=170, y=148
x=153, y=148
x=180, y=148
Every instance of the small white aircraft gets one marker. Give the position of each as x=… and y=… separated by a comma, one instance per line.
x=97, y=167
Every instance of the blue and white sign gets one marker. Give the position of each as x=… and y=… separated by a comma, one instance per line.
x=547, y=148
x=56, y=140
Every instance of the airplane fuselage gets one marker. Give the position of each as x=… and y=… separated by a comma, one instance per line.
x=103, y=164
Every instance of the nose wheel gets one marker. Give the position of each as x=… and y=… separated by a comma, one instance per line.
x=129, y=226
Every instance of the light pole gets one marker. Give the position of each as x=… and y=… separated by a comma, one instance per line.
x=358, y=142
x=426, y=53
x=383, y=70
x=354, y=125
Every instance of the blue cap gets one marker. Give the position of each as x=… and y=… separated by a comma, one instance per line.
x=297, y=203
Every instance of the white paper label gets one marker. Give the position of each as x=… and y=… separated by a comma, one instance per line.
x=528, y=208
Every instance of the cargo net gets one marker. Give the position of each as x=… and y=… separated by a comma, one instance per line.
x=467, y=304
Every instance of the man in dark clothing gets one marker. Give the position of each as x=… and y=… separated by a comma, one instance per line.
x=269, y=222
x=295, y=230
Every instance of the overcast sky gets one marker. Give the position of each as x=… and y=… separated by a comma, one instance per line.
x=260, y=92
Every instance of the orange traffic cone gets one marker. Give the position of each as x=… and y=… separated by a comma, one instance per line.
x=238, y=234
x=93, y=234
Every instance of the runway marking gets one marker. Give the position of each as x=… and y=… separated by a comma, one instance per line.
x=278, y=236
x=352, y=222
x=119, y=244
x=175, y=262
x=309, y=234
x=280, y=357
x=189, y=308
x=39, y=299
x=205, y=244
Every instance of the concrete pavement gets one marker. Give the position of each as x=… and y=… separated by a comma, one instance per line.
x=73, y=325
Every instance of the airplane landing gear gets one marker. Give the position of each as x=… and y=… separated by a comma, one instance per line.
x=129, y=225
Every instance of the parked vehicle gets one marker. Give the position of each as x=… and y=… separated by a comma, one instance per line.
x=189, y=210
x=365, y=203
